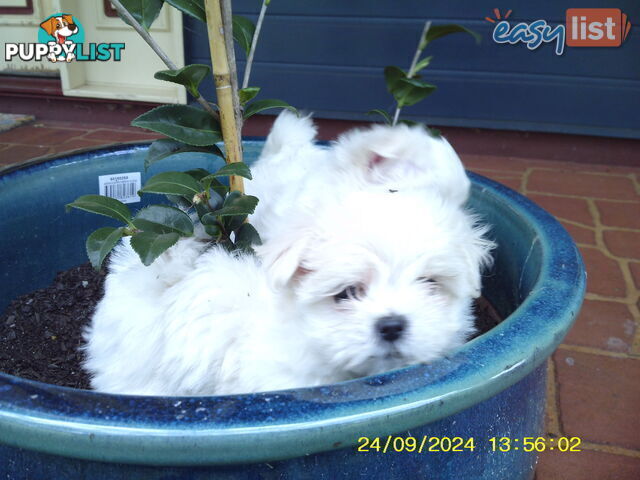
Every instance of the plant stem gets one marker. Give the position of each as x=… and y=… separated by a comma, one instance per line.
x=227, y=22
x=254, y=43
x=224, y=90
x=124, y=13
x=416, y=57
x=396, y=115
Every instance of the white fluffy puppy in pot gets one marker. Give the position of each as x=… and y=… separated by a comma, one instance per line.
x=369, y=265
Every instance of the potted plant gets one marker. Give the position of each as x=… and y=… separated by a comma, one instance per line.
x=459, y=417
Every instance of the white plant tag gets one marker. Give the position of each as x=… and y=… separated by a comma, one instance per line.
x=121, y=186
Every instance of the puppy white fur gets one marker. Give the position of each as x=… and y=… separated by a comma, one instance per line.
x=370, y=262
x=202, y=322
x=293, y=172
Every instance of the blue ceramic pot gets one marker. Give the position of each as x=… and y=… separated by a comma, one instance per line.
x=492, y=387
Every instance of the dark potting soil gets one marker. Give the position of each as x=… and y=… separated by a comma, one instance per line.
x=41, y=332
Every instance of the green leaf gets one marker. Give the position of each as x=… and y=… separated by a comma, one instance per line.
x=184, y=123
x=434, y=132
x=437, y=31
x=180, y=201
x=233, y=222
x=101, y=242
x=189, y=76
x=174, y=183
x=384, y=114
x=260, y=105
x=150, y=245
x=163, y=219
x=165, y=147
x=406, y=91
x=213, y=230
x=235, y=204
x=411, y=123
x=144, y=11
x=102, y=205
x=248, y=94
x=237, y=168
x=215, y=199
x=201, y=209
x=216, y=185
x=195, y=8
x=392, y=77
x=422, y=64
x=209, y=219
x=247, y=236
x=412, y=90
x=243, y=30
x=198, y=173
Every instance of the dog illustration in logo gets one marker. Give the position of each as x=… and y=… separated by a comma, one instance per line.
x=60, y=27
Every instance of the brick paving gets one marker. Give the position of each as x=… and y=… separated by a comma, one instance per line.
x=594, y=377
x=47, y=138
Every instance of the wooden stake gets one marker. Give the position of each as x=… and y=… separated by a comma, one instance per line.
x=224, y=89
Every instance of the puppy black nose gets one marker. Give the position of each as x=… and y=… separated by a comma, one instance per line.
x=391, y=327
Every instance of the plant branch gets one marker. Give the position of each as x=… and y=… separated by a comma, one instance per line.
x=421, y=46
x=254, y=43
x=227, y=22
x=224, y=90
x=124, y=13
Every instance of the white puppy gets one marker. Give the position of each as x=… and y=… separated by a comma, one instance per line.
x=355, y=285
x=369, y=263
x=294, y=173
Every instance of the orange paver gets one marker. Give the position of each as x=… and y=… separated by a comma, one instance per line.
x=594, y=377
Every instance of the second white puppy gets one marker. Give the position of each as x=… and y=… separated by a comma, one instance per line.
x=364, y=283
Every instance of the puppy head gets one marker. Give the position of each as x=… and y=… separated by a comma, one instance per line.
x=62, y=25
x=380, y=280
x=401, y=158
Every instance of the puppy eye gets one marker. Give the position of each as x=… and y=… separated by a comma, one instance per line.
x=428, y=280
x=352, y=292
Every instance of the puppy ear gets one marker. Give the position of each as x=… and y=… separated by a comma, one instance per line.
x=381, y=166
x=404, y=157
x=68, y=19
x=376, y=160
x=49, y=25
x=477, y=257
x=289, y=131
x=282, y=258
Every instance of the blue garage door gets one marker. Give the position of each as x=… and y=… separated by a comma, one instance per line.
x=328, y=57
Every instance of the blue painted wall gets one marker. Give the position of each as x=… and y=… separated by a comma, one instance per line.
x=328, y=57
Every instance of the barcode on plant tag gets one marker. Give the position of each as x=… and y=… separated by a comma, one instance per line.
x=121, y=186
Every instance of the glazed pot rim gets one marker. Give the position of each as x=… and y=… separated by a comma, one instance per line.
x=285, y=424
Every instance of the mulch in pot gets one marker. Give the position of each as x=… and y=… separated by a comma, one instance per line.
x=41, y=332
